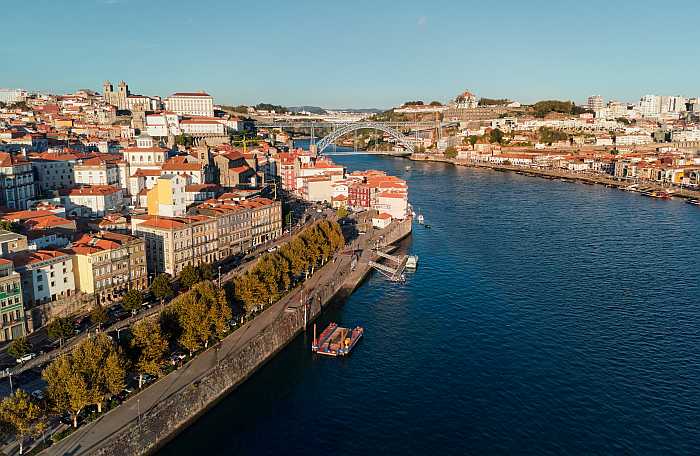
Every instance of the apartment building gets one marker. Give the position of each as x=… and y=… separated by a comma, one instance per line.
x=92, y=200
x=108, y=264
x=12, y=242
x=175, y=242
x=16, y=181
x=12, y=319
x=47, y=275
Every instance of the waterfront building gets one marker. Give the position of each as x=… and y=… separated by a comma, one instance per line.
x=191, y=104
x=47, y=275
x=16, y=181
x=175, y=242
x=12, y=317
x=108, y=264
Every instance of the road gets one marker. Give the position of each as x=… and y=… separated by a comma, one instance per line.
x=87, y=438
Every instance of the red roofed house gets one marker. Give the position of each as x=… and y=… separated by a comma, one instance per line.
x=47, y=275
x=92, y=200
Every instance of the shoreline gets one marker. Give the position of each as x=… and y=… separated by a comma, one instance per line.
x=155, y=416
x=551, y=174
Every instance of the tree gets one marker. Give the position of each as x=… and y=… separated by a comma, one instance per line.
x=98, y=315
x=435, y=103
x=219, y=315
x=192, y=316
x=205, y=271
x=132, y=300
x=22, y=416
x=98, y=363
x=19, y=347
x=473, y=140
x=10, y=226
x=451, y=152
x=162, y=288
x=60, y=329
x=342, y=212
x=151, y=346
x=496, y=136
x=65, y=387
x=189, y=276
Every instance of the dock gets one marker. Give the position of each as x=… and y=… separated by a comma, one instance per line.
x=336, y=341
x=394, y=274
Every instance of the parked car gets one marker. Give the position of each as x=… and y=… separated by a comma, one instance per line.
x=25, y=358
x=38, y=395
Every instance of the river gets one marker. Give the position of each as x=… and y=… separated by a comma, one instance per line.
x=545, y=318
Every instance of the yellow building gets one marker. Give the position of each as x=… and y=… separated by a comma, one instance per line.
x=167, y=197
x=108, y=264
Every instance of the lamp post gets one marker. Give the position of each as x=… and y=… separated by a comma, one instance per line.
x=219, y=276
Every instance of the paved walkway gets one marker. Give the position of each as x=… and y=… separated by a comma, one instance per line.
x=88, y=438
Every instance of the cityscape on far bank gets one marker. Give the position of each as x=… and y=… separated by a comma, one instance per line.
x=124, y=216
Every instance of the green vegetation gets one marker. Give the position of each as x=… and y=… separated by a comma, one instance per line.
x=493, y=102
x=150, y=348
x=19, y=347
x=270, y=107
x=132, y=300
x=162, y=288
x=98, y=315
x=90, y=374
x=21, y=417
x=451, y=152
x=550, y=135
x=435, y=103
x=240, y=109
x=542, y=108
x=342, y=212
x=275, y=273
x=389, y=116
x=10, y=226
x=496, y=136
x=414, y=103
x=184, y=140
x=60, y=329
x=191, y=275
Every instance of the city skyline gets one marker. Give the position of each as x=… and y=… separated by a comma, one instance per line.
x=384, y=56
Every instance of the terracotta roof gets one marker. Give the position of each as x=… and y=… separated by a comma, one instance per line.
x=170, y=166
x=25, y=215
x=190, y=94
x=96, y=190
x=27, y=257
x=47, y=221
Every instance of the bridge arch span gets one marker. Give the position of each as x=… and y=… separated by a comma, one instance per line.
x=349, y=128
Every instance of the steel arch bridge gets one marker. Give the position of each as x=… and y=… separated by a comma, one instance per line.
x=349, y=128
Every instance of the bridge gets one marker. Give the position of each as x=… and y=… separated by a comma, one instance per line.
x=340, y=129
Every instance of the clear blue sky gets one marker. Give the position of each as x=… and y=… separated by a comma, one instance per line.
x=355, y=53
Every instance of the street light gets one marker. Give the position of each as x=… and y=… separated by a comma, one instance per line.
x=219, y=276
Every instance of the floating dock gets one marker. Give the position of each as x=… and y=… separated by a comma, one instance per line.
x=336, y=341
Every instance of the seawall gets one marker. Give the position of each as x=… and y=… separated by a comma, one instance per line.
x=230, y=366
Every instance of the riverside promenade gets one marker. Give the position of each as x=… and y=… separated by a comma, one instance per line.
x=592, y=178
x=150, y=418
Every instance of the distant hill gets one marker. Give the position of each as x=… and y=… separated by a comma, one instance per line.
x=311, y=109
x=361, y=110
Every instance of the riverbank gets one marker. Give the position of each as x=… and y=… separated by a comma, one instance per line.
x=154, y=416
x=600, y=179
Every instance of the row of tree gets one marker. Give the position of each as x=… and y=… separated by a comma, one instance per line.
x=276, y=273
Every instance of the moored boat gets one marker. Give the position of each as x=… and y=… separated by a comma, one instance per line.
x=694, y=202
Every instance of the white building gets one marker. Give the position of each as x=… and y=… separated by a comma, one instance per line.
x=163, y=124
x=191, y=104
x=595, y=103
x=202, y=126
x=16, y=181
x=96, y=171
x=650, y=105
x=9, y=96
x=631, y=140
x=47, y=275
x=92, y=200
x=145, y=155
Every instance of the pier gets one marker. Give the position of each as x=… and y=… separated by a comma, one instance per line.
x=395, y=274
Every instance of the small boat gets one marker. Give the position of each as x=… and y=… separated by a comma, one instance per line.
x=336, y=341
x=408, y=167
x=631, y=188
x=694, y=202
x=428, y=226
x=421, y=219
x=657, y=194
x=412, y=262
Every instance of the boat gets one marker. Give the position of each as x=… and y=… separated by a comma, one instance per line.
x=631, y=188
x=336, y=341
x=412, y=262
x=428, y=226
x=694, y=202
x=421, y=219
x=408, y=167
x=657, y=194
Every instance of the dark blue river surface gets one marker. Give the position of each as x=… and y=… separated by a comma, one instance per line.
x=545, y=318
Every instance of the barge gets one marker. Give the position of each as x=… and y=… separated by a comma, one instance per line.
x=336, y=341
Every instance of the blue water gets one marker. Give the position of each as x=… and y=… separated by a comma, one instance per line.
x=545, y=318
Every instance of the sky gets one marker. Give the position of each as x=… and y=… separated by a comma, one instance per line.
x=355, y=53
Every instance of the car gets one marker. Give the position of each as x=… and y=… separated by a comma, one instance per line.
x=272, y=249
x=27, y=357
x=319, y=210
x=38, y=395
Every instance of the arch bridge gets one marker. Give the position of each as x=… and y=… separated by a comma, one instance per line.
x=343, y=130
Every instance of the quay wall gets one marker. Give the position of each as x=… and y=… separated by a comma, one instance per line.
x=169, y=416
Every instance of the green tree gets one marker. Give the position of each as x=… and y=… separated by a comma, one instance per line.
x=451, y=152
x=19, y=347
x=90, y=360
x=60, y=329
x=10, y=226
x=205, y=271
x=496, y=136
x=150, y=346
x=66, y=389
x=473, y=139
x=98, y=315
x=193, y=319
x=189, y=276
x=162, y=288
x=22, y=416
x=342, y=212
x=132, y=300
